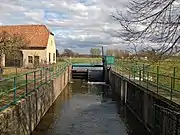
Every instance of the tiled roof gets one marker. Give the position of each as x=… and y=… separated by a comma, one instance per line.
x=36, y=35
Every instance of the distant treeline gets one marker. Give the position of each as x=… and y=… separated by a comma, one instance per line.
x=79, y=55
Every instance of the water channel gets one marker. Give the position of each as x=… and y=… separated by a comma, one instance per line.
x=84, y=109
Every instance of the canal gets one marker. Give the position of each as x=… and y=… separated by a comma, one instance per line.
x=84, y=109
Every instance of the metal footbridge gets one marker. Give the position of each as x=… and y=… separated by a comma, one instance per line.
x=92, y=72
x=88, y=71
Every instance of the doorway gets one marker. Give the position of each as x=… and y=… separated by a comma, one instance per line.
x=36, y=61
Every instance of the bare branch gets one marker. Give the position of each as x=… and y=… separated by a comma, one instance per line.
x=151, y=21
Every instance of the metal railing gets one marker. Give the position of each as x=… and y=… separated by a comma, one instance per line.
x=14, y=88
x=152, y=78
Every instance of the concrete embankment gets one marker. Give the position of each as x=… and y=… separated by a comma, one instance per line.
x=158, y=114
x=22, y=118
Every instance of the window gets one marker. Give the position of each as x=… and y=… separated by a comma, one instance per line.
x=30, y=59
x=49, y=57
x=54, y=56
x=51, y=42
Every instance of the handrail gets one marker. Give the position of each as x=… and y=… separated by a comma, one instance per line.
x=163, y=84
x=14, y=88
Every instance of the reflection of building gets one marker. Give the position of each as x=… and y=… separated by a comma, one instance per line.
x=41, y=45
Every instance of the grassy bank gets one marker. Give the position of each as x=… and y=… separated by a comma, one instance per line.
x=163, y=73
x=162, y=78
x=85, y=60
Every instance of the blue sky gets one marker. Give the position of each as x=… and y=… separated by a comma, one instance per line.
x=77, y=24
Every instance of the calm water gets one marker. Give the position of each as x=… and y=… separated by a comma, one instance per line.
x=86, y=110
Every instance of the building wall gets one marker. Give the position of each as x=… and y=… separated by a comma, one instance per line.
x=51, y=48
x=2, y=60
x=43, y=54
x=40, y=53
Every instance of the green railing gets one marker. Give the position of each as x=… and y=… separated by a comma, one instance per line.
x=154, y=78
x=15, y=88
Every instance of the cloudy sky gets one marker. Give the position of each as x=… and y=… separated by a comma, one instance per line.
x=77, y=24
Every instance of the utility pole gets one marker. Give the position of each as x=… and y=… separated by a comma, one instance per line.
x=104, y=66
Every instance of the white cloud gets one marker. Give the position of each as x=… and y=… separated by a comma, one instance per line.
x=75, y=24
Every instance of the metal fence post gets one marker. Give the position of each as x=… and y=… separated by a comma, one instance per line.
x=59, y=69
x=134, y=73
x=171, y=88
x=157, y=73
x=15, y=100
x=46, y=74
x=26, y=85
x=34, y=80
x=49, y=73
x=174, y=77
x=52, y=72
x=173, y=82
x=147, y=82
x=143, y=72
x=41, y=76
x=120, y=70
x=55, y=72
x=140, y=76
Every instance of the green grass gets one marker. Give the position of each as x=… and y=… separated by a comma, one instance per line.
x=166, y=71
x=7, y=82
x=165, y=67
x=85, y=60
x=7, y=89
x=60, y=62
x=166, y=83
x=14, y=86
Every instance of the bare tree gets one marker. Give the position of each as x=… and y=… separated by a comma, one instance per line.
x=152, y=24
x=118, y=53
x=109, y=52
x=95, y=52
x=11, y=45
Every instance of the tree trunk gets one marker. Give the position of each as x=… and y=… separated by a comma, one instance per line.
x=1, y=65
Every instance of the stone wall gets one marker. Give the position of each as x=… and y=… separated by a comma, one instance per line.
x=159, y=115
x=22, y=118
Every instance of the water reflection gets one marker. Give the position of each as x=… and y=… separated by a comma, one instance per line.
x=79, y=86
x=84, y=109
x=134, y=127
x=53, y=113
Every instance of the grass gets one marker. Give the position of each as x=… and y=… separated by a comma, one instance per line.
x=11, y=71
x=164, y=80
x=7, y=80
x=85, y=60
x=165, y=70
x=19, y=81
x=165, y=67
x=165, y=75
x=14, y=86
